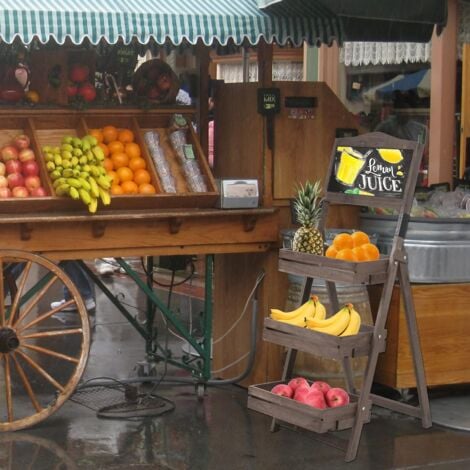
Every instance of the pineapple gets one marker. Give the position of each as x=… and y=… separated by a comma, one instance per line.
x=307, y=205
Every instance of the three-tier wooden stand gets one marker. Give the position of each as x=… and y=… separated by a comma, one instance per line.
x=387, y=183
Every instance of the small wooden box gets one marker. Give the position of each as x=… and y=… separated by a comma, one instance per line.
x=442, y=316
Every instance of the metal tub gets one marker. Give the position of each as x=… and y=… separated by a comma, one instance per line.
x=438, y=249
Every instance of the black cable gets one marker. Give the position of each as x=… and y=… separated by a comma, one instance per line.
x=179, y=283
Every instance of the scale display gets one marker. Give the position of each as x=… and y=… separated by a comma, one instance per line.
x=370, y=171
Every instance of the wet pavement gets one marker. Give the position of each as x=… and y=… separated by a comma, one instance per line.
x=218, y=432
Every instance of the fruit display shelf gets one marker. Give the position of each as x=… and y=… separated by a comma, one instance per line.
x=49, y=128
x=261, y=399
x=320, y=344
x=330, y=269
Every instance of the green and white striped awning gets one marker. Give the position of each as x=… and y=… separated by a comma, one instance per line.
x=175, y=21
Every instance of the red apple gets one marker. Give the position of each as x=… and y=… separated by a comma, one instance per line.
x=32, y=182
x=3, y=182
x=301, y=392
x=87, y=91
x=13, y=166
x=5, y=192
x=20, y=191
x=2, y=169
x=30, y=168
x=316, y=399
x=79, y=73
x=337, y=397
x=9, y=152
x=21, y=141
x=72, y=90
x=319, y=385
x=39, y=192
x=26, y=155
x=283, y=390
x=14, y=180
x=297, y=382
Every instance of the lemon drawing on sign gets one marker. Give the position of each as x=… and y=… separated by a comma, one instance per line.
x=392, y=156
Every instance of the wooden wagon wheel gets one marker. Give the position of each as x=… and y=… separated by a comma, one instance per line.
x=41, y=358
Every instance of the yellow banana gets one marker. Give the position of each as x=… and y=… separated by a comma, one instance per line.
x=307, y=309
x=94, y=191
x=62, y=190
x=340, y=323
x=104, y=196
x=314, y=323
x=296, y=321
x=85, y=184
x=74, y=182
x=104, y=182
x=354, y=324
x=93, y=205
x=320, y=310
x=73, y=193
x=84, y=196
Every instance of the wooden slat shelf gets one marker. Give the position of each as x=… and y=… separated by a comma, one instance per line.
x=330, y=269
x=320, y=344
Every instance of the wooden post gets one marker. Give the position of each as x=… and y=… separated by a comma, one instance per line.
x=442, y=111
x=202, y=52
x=328, y=66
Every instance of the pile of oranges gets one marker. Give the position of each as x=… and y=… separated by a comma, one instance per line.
x=124, y=162
x=354, y=246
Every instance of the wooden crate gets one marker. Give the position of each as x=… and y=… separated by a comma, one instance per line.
x=50, y=128
x=442, y=316
x=299, y=414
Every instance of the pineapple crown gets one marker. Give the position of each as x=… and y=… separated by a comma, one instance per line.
x=307, y=203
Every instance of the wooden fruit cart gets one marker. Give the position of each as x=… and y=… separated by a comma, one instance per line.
x=351, y=186
x=40, y=371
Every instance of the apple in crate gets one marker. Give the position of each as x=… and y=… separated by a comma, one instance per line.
x=26, y=155
x=319, y=385
x=9, y=152
x=3, y=182
x=21, y=141
x=3, y=169
x=315, y=399
x=15, y=179
x=337, y=396
x=283, y=390
x=20, y=191
x=13, y=166
x=301, y=392
x=297, y=382
x=32, y=182
x=39, y=192
x=30, y=168
x=5, y=192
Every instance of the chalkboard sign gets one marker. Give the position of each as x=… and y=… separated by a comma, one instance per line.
x=370, y=171
x=269, y=101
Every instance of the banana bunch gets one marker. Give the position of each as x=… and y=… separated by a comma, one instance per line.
x=76, y=170
x=345, y=322
x=313, y=309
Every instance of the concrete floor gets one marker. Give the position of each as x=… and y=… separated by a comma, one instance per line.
x=216, y=433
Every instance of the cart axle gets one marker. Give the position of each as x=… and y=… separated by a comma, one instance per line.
x=8, y=340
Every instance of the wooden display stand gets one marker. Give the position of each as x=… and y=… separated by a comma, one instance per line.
x=368, y=179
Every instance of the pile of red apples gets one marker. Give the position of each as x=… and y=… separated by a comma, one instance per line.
x=19, y=170
x=317, y=395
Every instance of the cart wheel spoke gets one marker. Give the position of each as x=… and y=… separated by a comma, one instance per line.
x=26, y=384
x=19, y=292
x=41, y=362
x=41, y=371
x=45, y=316
x=8, y=397
x=50, y=352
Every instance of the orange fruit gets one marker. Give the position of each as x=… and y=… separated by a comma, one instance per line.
x=371, y=251
x=359, y=254
x=116, y=189
x=119, y=159
x=345, y=254
x=108, y=164
x=331, y=252
x=142, y=176
x=147, y=188
x=110, y=133
x=342, y=241
x=129, y=187
x=97, y=134
x=137, y=163
x=115, y=146
x=125, y=135
x=115, y=178
x=105, y=149
x=132, y=149
x=360, y=238
x=125, y=174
